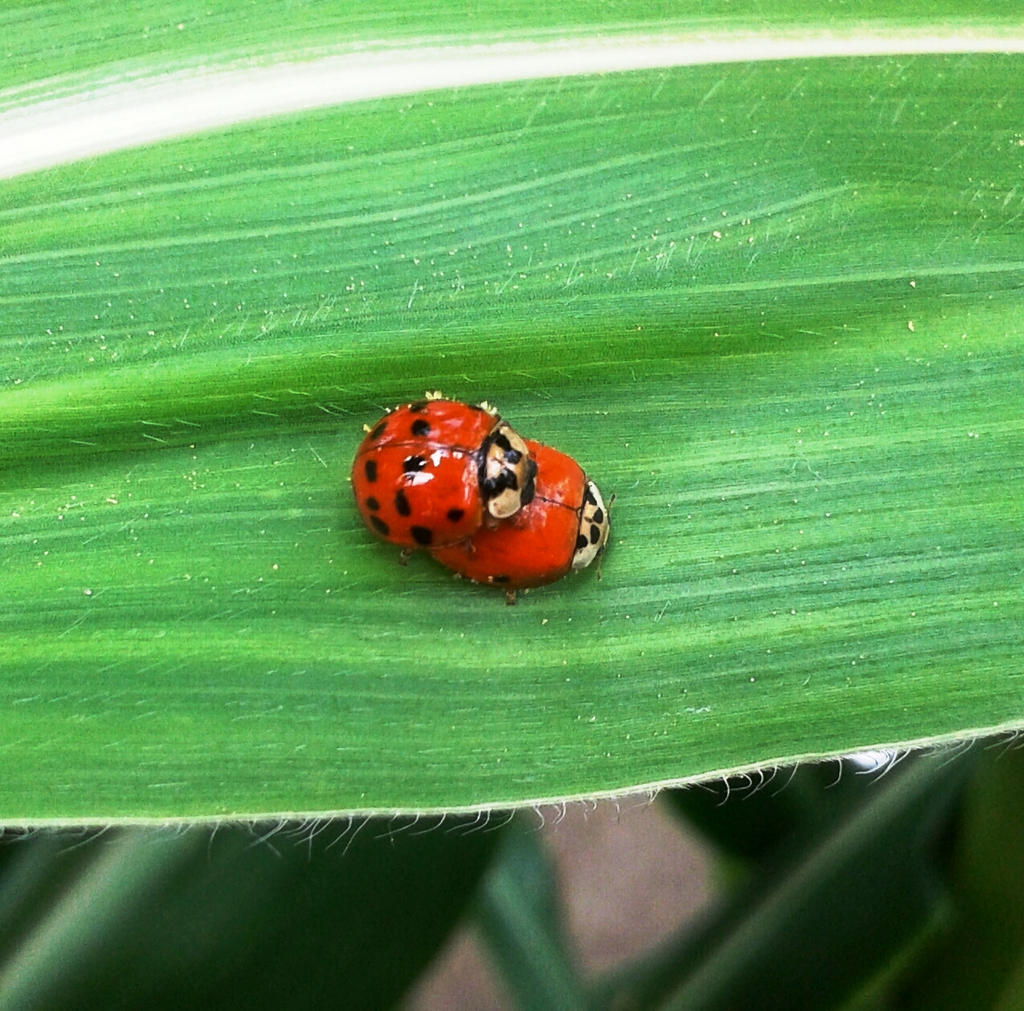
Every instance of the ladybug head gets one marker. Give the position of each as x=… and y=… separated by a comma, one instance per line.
x=507, y=473
x=595, y=527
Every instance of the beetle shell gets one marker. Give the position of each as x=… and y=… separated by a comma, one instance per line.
x=564, y=528
x=427, y=472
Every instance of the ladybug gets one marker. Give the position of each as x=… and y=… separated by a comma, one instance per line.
x=431, y=472
x=565, y=527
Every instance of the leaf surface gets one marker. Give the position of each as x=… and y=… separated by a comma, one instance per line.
x=773, y=307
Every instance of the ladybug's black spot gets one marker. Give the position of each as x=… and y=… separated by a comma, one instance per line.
x=411, y=464
x=378, y=430
x=581, y=542
x=372, y=503
x=370, y=470
x=402, y=503
x=455, y=515
x=595, y=533
x=380, y=526
x=598, y=516
x=495, y=485
x=422, y=535
x=420, y=427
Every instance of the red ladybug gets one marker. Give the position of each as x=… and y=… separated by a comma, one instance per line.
x=565, y=527
x=428, y=473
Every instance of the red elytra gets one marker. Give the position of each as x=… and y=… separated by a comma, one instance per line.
x=428, y=472
x=564, y=528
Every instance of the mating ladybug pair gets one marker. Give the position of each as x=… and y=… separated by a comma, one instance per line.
x=455, y=479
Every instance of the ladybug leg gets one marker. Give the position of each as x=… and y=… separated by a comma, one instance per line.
x=405, y=554
x=510, y=597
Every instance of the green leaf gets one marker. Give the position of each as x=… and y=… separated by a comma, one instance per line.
x=520, y=920
x=774, y=307
x=979, y=960
x=827, y=915
x=291, y=915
